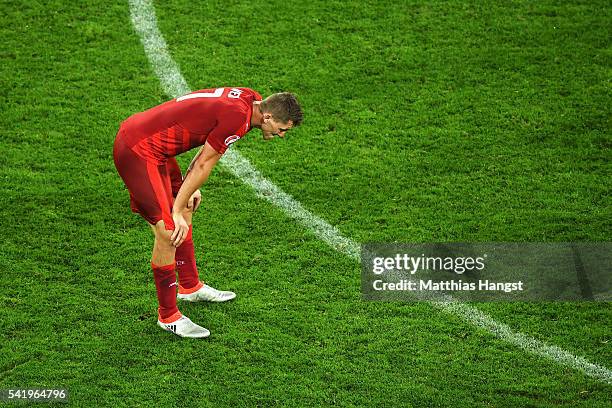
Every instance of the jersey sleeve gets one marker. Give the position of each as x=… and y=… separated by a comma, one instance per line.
x=229, y=128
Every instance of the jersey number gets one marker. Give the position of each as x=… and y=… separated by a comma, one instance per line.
x=218, y=92
x=233, y=93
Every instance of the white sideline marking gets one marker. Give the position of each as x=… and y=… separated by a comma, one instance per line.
x=145, y=23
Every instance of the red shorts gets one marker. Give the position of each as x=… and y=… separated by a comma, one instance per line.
x=152, y=187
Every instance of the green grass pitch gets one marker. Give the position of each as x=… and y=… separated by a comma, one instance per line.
x=455, y=121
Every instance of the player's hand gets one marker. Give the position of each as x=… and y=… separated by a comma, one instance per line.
x=194, y=201
x=181, y=229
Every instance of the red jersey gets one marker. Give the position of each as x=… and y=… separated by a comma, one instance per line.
x=218, y=116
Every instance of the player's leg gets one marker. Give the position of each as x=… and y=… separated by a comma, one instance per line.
x=170, y=318
x=189, y=280
x=151, y=197
x=191, y=288
x=162, y=263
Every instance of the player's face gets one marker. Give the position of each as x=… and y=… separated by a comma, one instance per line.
x=270, y=127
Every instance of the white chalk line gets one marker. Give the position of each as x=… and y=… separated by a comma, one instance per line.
x=145, y=23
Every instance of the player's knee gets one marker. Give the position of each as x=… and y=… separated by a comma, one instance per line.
x=162, y=235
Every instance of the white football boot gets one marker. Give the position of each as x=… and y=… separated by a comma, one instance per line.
x=207, y=294
x=184, y=327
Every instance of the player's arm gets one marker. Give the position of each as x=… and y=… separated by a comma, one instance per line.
x=229, y=121
x=197, y=174
x=196, y=197
x=193, y=161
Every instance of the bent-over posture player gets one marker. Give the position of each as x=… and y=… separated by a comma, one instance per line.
x=144, y=153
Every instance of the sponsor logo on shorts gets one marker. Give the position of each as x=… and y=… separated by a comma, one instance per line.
x=231, y=139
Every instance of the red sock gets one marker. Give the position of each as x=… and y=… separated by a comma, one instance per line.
x=189, y=280
x=165, y=282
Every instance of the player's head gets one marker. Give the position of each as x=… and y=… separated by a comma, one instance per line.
x=281, y=112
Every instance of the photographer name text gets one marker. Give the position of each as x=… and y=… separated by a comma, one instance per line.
x=450, y=285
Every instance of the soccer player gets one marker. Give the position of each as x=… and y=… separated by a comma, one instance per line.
x=144, y=154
